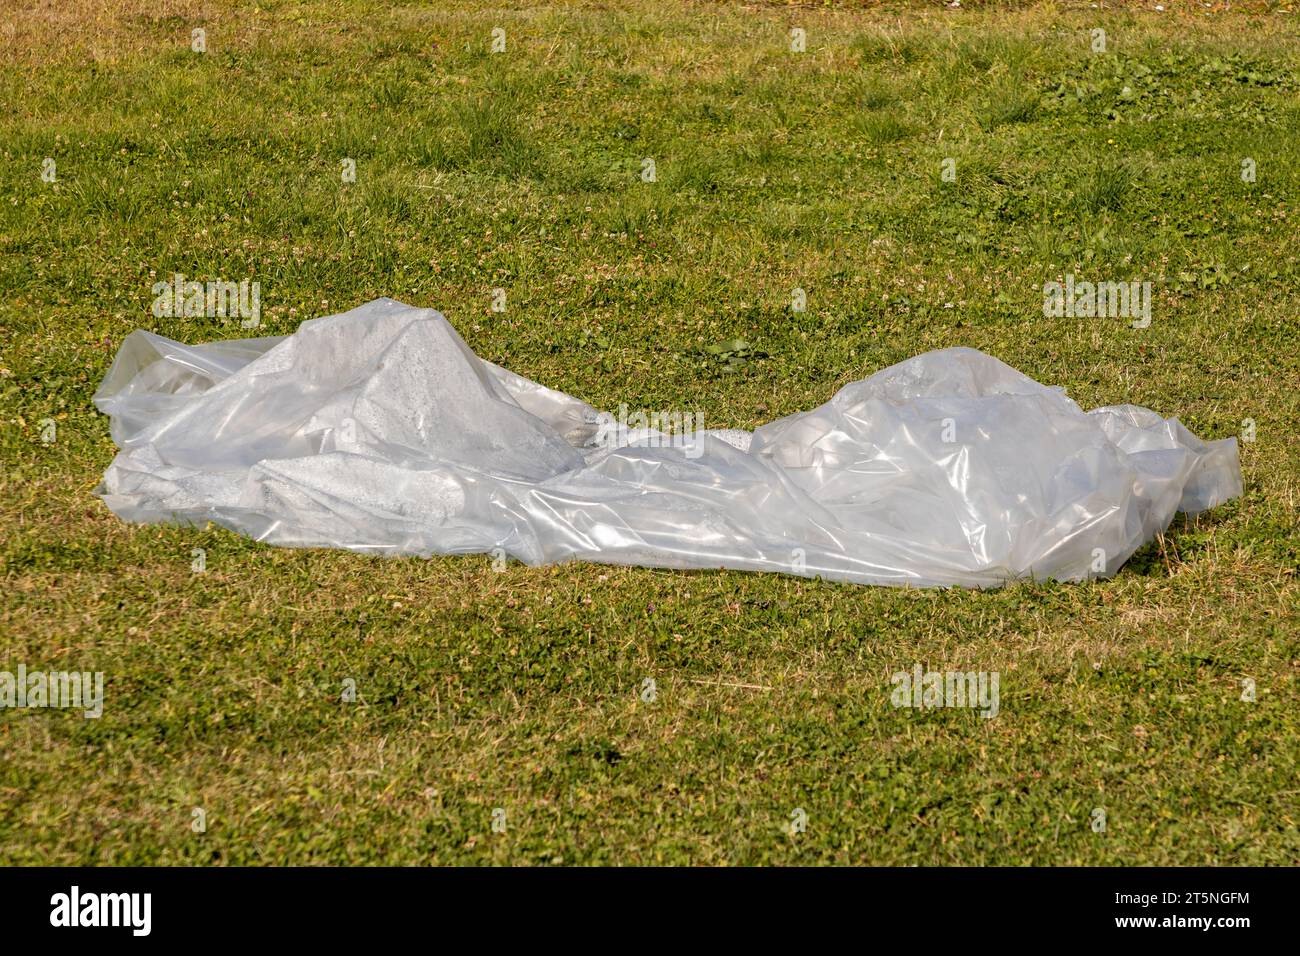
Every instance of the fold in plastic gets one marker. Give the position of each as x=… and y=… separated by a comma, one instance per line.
x=379, y=430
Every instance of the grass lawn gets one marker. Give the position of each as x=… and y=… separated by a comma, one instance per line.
x=516, y=696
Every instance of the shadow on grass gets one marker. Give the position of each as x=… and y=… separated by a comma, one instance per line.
x=1186, y=538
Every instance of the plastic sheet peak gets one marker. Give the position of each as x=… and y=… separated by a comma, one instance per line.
x=379, y=430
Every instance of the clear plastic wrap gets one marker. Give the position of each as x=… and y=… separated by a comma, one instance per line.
x=379, y=430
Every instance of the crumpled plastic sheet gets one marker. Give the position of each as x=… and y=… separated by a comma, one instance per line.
x=379, y=430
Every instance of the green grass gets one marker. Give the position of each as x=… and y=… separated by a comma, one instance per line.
x=521, y=690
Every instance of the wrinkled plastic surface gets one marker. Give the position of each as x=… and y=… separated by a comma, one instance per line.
x=378, y=430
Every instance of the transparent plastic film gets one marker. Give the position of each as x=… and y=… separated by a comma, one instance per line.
x=379, y=430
